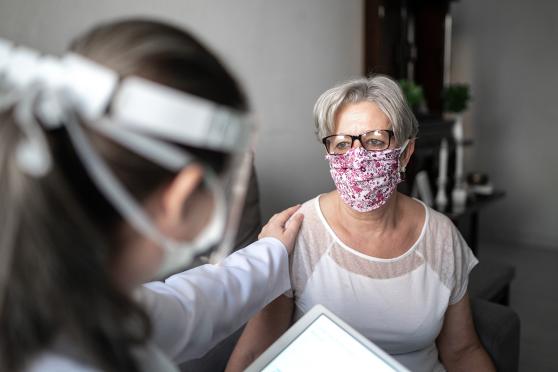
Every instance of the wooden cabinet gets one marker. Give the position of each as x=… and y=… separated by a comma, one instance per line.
x=406, y=39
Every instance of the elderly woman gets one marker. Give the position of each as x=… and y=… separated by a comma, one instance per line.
x=394, y=269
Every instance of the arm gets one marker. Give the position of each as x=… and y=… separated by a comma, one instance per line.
x=194, y=310
x=260, y=332
x=458, y=343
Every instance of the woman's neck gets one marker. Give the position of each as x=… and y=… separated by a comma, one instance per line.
x=377, y=222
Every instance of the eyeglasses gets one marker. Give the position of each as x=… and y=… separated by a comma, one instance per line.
x=374, y=140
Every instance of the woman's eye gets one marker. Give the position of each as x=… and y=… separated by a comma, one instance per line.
x=342, y=145
x=374, y=143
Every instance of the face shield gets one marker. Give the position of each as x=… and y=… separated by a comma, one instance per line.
x=150, y=120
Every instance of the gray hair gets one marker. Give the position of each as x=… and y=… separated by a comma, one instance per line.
x=379, y=89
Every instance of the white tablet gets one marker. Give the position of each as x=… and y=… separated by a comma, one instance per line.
x=320, y=341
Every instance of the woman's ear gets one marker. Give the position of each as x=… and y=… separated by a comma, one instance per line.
x=177, y=193
x=409, y=150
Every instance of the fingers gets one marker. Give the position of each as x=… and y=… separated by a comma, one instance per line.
x=294, y=224
x=284, y=226
x=282, y=217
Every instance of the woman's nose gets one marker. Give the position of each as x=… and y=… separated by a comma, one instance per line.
x=356, y=143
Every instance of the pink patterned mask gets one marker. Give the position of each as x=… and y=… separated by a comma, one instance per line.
x=366, y=179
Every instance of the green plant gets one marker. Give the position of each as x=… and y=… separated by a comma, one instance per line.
x=456, y=97
x=413, y=93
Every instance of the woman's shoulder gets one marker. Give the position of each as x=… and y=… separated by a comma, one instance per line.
x=446, y=252
x=309, y=206
x=310, y=210
x=313, y=229
x=438, y=232
x=441, y=238
x=435, y=221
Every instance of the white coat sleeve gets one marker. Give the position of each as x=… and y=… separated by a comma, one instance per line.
x=193, y=311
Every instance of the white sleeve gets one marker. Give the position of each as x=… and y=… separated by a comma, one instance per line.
x=463, y=262
x=192, y=311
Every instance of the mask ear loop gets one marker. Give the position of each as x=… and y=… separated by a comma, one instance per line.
x=402, y=169
x=177, y=254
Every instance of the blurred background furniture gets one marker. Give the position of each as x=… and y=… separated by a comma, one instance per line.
x=490, y=281
x=410, y=39
x=498, y=328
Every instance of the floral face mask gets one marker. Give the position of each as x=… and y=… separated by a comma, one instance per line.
x=366, y=179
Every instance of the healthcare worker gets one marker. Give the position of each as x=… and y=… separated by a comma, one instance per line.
x=123, y=162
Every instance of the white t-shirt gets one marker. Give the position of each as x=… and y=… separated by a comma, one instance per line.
x=398, y=303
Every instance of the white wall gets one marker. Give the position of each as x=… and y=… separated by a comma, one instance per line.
x=285, y=52
x=508, y=51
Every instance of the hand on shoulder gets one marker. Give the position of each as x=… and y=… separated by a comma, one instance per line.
x=284, y=226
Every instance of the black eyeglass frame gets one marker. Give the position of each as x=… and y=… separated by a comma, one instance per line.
x=359, y=137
